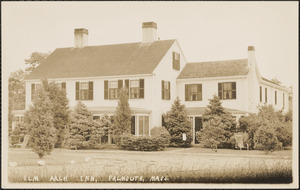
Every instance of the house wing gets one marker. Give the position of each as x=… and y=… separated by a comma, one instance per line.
x=215, y=69
x=107, y=60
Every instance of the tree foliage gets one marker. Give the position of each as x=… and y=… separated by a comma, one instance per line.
x=177, y=123
x=100, y=129
x=60, y=109
x=39, y=123
x=80, y=127
x=266, y=118
x=220, y=121
x=122, y=116
x=35, y=59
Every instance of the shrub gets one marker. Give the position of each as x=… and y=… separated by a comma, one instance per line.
x=142, y=143
x=161, y=132
x=265, y=138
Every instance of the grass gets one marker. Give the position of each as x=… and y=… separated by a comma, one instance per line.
x=192, y=165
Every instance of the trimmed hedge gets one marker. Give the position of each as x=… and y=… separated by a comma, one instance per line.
x=142, y=143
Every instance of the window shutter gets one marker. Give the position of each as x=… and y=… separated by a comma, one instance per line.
x=105, y=90
x=141, y=88
x=77, y=91
x=186, y=92
x=91, y=90
x=120, y=84
x=199, y=92
x=233, y=86
x=178, y=62
x=63, y=85
x=220, y=93
x=127, y=86
x=162, y=90
x=169, y=84
x=173, y=60
x=32, y=90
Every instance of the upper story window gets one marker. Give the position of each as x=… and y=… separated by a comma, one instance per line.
x=266, y=95
x=227, y=90
x=84, y=90
x=165, y=90
x=193, y=92
x=61, y=85
x=113, y=90
x=176, y=61
x=260, y=94
x=34, y=87
x=275, y=97
x=135, y=89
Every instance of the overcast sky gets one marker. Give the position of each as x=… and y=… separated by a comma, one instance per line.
x=206, y=31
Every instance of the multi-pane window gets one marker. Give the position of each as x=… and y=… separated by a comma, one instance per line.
x=266, y=95
x=134, y=89
x=176, y=61
x=113, y=90
x=34, y=87
x=165, y=90
x=193, y=92
x=260, y=94
x=84, y=90
x=61, y=85
x=143, y=125
x=227, y=90
x=275, y=97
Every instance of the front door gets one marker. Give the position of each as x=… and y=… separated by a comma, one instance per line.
x=198, y=127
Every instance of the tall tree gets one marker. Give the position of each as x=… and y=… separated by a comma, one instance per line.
x=217, y=112
x=122, y=116
x=34, y=60
x=39, y=123
x=60, y=109
x=177, y=123
x=80, y=127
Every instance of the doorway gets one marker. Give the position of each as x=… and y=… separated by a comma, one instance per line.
x=198, y=127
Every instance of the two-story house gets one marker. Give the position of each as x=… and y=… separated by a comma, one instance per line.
x=155, y=72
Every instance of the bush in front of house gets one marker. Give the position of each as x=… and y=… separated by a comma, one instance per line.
x=266, y=123
x=142, y=143
x=161, y=132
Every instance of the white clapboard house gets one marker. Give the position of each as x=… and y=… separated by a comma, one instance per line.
x=155, y=73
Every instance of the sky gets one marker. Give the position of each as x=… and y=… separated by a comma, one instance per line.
x=206, y=31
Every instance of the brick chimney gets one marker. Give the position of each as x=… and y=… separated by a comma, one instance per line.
x=251, y=55
x=80, y=37
x=149, y=32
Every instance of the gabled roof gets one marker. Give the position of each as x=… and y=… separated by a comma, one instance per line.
x=106, y=60
x=214, y=69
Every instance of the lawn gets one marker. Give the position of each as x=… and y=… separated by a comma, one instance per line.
x=197, y=165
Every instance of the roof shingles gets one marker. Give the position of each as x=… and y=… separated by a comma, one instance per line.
x=107, y=60
x=214, y=69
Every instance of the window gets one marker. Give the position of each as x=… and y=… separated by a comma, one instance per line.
x=137, y=89
x=193, y=92
x=84, y=90
x=275, y=97
x=227, y=90
x=113, y=90
x=61, y=85
x=165, y=90
x=176, y=61
x=266, y=95
x=34, y=87
x=143, y=125
x=260, y=94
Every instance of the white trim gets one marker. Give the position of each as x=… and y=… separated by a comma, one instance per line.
x=212, y=78
x=274, y=86
x=91, y=78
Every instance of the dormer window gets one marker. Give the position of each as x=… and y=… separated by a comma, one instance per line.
x=176, y=61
